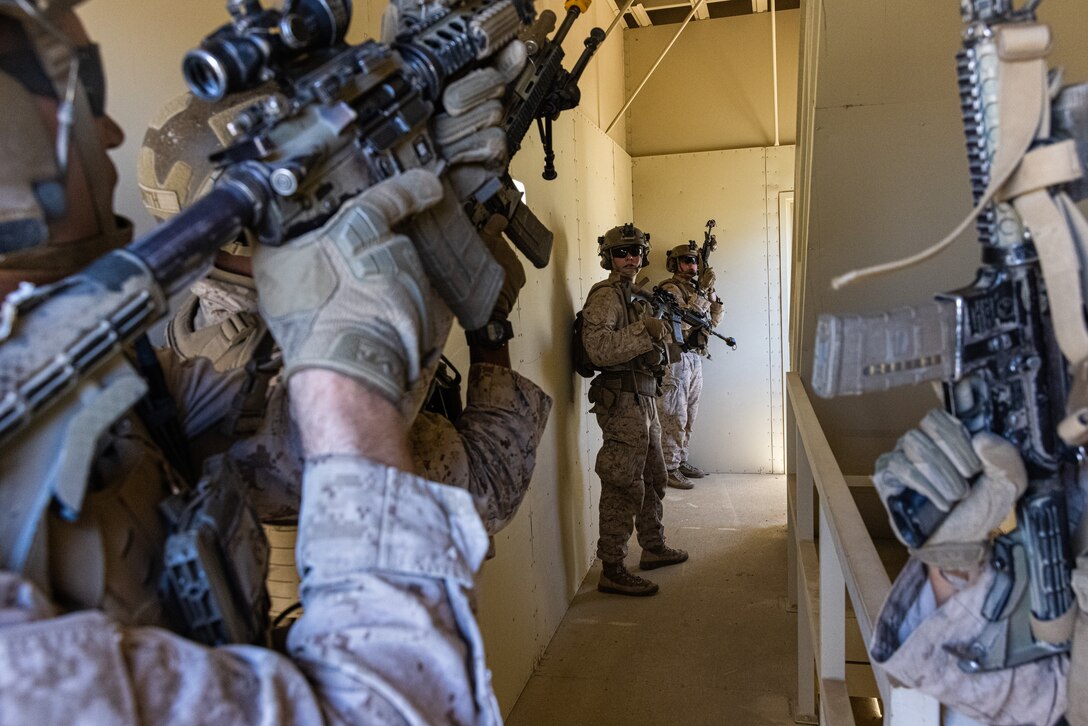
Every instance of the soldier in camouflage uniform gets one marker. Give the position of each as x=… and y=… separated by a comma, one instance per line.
x=490, y=450
x=683, y=384
x=388, y=557
x=628, y=344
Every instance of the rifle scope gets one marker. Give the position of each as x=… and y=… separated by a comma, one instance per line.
x=237, y=55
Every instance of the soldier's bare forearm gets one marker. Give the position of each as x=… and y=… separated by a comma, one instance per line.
x=336, y=414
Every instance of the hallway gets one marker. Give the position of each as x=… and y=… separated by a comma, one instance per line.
x=715, y=646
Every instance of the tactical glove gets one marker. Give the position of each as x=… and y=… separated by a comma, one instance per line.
x=939, y=460
x=657, y=329
x=707, y=279
x=352, y=296
x=511, y=265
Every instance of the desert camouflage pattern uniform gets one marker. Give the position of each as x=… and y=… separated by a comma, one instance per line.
x=387, y=634
x=624, y=398
x=490, y=450
x=389, y=560
x=1032, y=693
x=683, y=383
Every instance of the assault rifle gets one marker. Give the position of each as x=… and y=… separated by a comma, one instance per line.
x=992, y=344
x=665, y=306
x=542, y=91
x=710, y=243
x=342, y=117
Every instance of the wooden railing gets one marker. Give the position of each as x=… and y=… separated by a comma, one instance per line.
x=822, y=569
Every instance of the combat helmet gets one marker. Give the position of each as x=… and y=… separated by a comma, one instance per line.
x=626, y=234
x=173, y=168
x=680, y=251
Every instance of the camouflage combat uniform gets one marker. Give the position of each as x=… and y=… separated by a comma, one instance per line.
x=922, y=656
x=624, y=398
x=489, y=451
x=683, y=383
x=388, y=557
x=387, y=634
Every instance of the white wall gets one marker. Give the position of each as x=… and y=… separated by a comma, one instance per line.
x=739, y=426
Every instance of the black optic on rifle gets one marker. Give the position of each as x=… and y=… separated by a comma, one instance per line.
x=237, y=55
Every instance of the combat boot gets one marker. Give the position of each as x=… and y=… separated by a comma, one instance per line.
x=663, y=557
x=678, y=480
x=617, y=580
x=691, y=471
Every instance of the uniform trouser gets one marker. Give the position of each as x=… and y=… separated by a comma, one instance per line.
x=678, y=405
x=633, y=476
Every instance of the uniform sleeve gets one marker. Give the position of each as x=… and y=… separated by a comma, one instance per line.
x=716, y=311
x=1033, y=693
x=491, y=449
x=387, y=635
x=608, y=339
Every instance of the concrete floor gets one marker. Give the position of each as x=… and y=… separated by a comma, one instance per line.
x=715, y=646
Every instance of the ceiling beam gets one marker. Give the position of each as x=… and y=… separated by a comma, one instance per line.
x=701, y=11
x=759, y=6
x=641, y=16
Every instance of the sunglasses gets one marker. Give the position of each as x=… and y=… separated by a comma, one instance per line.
x=688, y=260
x=628, y=250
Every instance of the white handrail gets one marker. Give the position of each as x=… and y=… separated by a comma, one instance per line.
x=847, y=557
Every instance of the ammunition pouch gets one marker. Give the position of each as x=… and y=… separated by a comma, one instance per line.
x=637, y=382
x=654, y=359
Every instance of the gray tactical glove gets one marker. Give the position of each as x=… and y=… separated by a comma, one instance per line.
x=352, y=296
x=938, y=460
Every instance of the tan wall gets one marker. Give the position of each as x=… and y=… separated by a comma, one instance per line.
x=544, y=554
x=715, y=88
x=882, y=173
x=739, y=425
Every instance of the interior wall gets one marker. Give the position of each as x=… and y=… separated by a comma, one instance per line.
x=739, y=426
x=544, y=554
x=715, y=87
x=883, y=174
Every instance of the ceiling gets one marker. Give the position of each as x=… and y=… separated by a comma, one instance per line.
x=664, y=12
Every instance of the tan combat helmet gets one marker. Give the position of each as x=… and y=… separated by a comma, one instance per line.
x=173, y=169
x=680, y=251
x=626, y=234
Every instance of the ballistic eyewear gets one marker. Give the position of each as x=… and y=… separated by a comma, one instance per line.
x=688, y=260
x=628, y=250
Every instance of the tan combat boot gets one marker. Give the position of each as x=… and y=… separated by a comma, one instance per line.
x=690, y=470
x=617, y=580
x=663, y=557
x=678, y=480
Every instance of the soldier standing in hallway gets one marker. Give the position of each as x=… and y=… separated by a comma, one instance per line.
x=683, y=385
x=629, y=346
